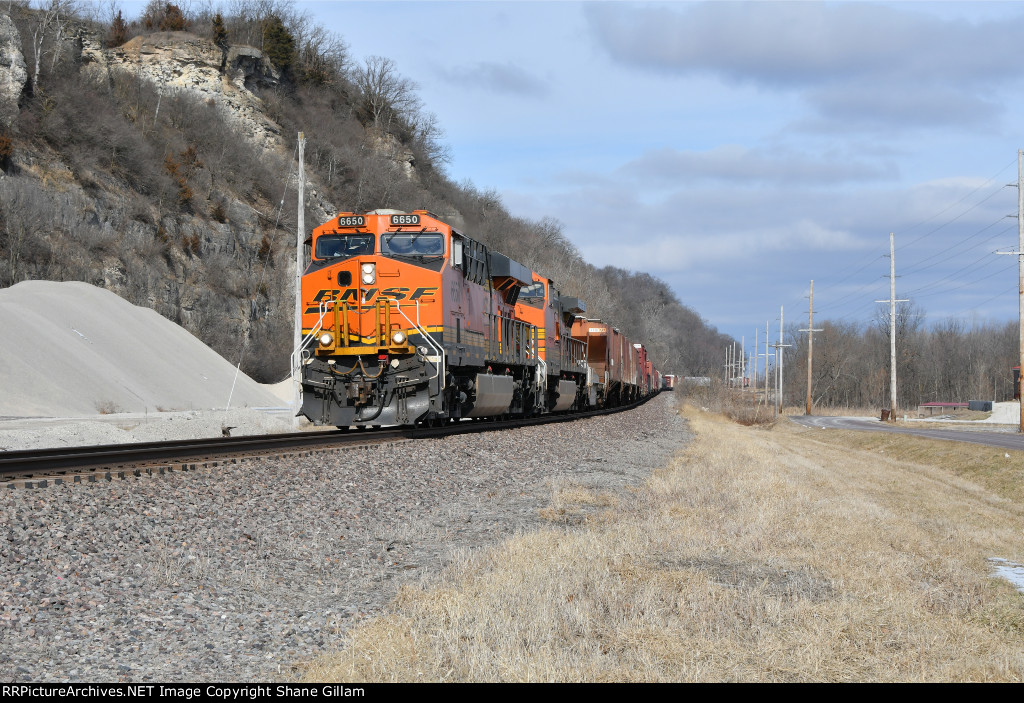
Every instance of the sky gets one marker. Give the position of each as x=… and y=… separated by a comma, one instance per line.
x=738, y=150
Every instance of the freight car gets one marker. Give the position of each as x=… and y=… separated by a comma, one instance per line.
x=406, y=320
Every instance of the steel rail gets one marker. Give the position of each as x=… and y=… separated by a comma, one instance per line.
x=36, y=462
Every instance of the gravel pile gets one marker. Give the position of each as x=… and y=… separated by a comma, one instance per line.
x=74, y=349
x=128, y=428
x=241, y=574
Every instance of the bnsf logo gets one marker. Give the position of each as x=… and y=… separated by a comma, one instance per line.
x=351, y=295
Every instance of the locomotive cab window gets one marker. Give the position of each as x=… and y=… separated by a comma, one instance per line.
x=332, y=246
x=412, y=244
x=533, y=295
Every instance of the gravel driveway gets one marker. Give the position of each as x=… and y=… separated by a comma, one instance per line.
x=239, y=575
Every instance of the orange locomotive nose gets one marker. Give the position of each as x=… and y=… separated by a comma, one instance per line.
x=373, y=310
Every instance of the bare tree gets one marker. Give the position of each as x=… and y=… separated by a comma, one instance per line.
x=52, y=21
x=323, y=54
x=428, y=137
x=386, y=94
x=246, y=19
x=23, y=222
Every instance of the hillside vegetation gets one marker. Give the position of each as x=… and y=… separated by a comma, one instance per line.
x=155, y=157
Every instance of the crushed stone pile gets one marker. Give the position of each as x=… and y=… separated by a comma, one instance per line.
x=1007, y=413
x=71, y=349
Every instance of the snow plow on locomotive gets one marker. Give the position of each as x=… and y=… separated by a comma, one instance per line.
x=406, y=320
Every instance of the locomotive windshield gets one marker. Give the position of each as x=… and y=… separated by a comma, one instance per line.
x=417, y=244
x=330, y=246
x=533, y=295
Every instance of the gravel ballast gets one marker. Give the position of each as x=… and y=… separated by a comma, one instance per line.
x=242, y=572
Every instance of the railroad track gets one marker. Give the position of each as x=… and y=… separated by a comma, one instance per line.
x=39, y=468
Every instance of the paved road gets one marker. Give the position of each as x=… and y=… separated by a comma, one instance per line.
x=1004, y=440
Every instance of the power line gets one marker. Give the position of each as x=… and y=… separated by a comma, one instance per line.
x=984, y=260
x=950, y=207
x=911, y=269
x=925, y=221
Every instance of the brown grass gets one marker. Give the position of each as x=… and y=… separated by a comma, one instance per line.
x=107, y=407
x=774, y=554
x=998, y=470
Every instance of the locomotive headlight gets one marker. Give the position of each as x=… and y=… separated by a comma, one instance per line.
x=326, y=339
x=398, y=337
x=369, y=273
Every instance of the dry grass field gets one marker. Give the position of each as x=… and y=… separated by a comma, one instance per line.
x=774, y=553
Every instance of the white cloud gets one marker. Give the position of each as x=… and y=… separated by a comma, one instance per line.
x=736, y=163
x=496, y=77
x=858, y=63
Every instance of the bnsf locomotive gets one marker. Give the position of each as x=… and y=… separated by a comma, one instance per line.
x=406, y=321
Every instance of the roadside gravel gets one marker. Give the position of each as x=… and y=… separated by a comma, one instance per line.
x=240, y=574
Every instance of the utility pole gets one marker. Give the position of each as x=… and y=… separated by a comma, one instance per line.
x=300, y=236
x=1020, y=274
x=753, y=364
x=1020, y=277
x=778, y=366
x=732, y=363
x=810, y=345
x=743, y=364
x=892, y=326
x=772, y=359
x=735, y=365
x=766, y=323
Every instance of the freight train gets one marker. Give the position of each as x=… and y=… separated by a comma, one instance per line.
x=408, y=321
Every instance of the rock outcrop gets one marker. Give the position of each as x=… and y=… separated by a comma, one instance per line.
x=178, y=61
x=13, y=72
